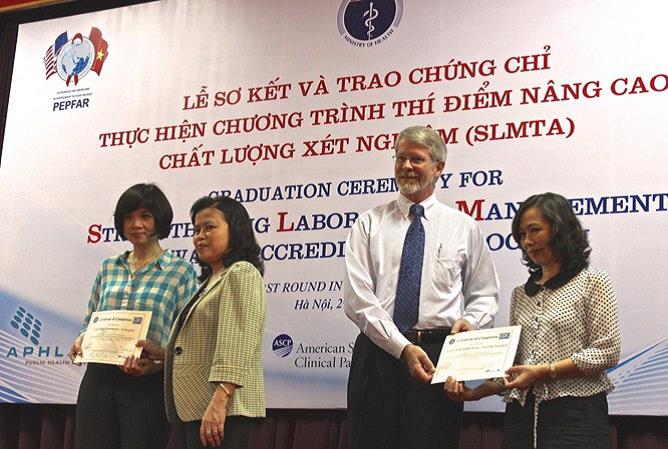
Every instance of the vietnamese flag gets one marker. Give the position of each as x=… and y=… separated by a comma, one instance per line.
x=100, y=49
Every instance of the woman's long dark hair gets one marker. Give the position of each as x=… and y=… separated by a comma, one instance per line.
x=242, y=245
x=569, y=241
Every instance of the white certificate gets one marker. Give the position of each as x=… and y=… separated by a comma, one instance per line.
x=112, y=336
x=479, y=354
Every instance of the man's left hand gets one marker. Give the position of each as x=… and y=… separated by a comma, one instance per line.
x=461, y=325
x=418, y=362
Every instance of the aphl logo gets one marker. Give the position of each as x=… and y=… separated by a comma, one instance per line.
x=282, y=345
x=30, y=327
x=27, y=325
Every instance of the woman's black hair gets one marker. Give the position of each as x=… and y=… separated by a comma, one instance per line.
x=242, y=244
x=145, y=196
x=569, y=241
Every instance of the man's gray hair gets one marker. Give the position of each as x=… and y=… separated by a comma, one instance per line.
x=424, y=137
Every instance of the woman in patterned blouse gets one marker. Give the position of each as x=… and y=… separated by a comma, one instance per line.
x=118, y=406
x=556, y=392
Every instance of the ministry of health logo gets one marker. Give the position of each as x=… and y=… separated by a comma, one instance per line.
x=72, y=59
x=365, y=23
x=27, y=325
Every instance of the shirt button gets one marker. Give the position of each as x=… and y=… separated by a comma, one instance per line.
x=178, y=350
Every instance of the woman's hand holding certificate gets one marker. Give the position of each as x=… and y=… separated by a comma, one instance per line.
x=112, y=336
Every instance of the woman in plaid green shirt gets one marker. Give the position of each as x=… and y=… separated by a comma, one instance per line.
x=119, y=407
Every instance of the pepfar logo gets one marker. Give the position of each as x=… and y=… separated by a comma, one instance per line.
x=365, y=23
x=27, y=325
x=72, y=59
x=282, y=345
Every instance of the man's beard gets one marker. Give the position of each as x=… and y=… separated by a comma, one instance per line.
x=413, y=185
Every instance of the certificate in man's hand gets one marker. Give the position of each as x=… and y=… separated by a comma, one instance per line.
x=112, y=336
x=479, y=354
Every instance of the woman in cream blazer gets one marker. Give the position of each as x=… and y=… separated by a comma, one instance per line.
x=214, y=384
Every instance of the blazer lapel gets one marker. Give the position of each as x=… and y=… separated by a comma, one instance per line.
x=197, y=298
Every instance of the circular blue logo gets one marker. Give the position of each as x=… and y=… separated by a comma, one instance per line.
x=75, y=58
x=365, y=23
x=282, y=345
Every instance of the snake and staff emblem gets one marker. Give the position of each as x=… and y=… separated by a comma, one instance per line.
x=365, y=23
x=372, y=14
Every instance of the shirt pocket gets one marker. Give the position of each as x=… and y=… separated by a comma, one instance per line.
x=447, y=269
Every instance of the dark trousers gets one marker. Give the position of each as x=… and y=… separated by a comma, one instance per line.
x=388, y=409
x=236, y=435
x=118, y=411
x=563, y=423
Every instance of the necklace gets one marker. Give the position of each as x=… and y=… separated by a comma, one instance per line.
x=136, y=265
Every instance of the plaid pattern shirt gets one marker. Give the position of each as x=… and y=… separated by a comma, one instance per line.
x=163, y=286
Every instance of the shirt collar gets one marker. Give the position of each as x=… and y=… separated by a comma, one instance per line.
x=161, y=262
x=531, y=287
x=165, y=259
x=405, y=205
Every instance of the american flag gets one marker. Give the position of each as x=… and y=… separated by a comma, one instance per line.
x=52, y=53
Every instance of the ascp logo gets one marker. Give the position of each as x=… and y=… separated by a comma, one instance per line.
x=282, y=345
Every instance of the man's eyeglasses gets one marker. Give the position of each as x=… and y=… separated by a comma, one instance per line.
x=415, y=161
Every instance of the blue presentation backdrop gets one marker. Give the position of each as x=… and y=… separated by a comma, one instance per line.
x=292, y=108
